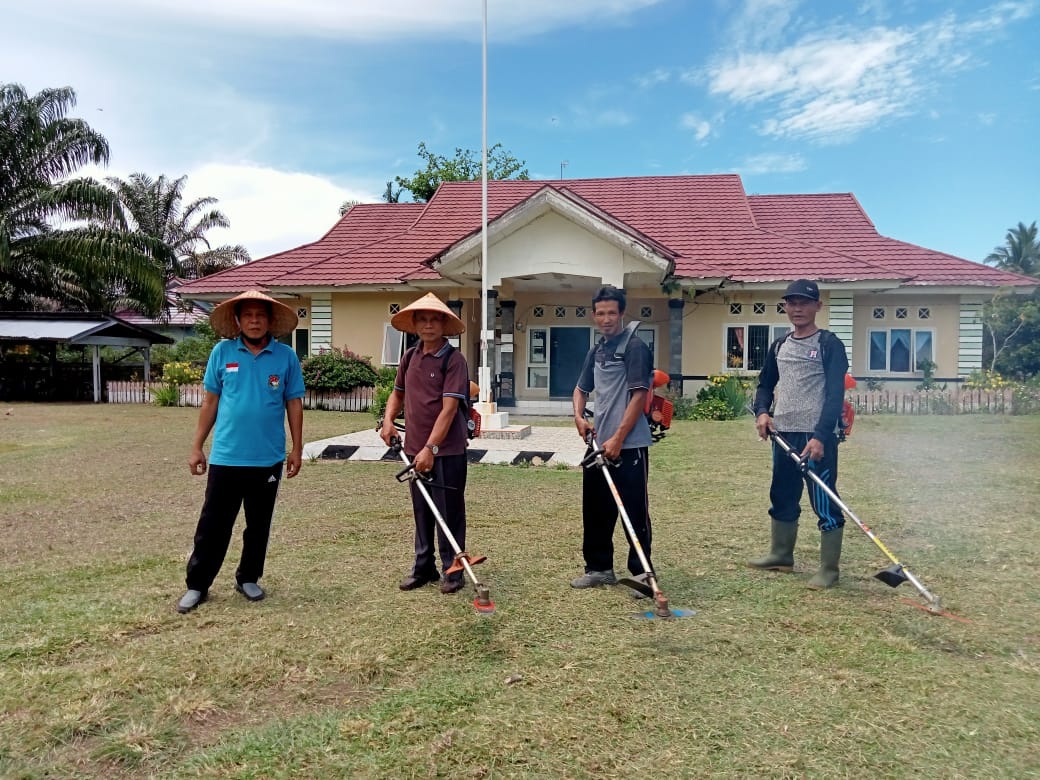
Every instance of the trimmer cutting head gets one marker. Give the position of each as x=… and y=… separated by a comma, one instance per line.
x=483, y=603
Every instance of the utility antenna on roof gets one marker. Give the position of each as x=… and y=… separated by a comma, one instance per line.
x=563, y=164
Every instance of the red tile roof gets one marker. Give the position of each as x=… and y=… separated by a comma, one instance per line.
x=838, y=222
x=707, y=223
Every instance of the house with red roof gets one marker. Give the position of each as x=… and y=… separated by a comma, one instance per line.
x=703, y=263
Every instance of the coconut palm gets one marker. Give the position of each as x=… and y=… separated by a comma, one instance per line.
x=155, y=208
x=1020, y=253
x=58, y=248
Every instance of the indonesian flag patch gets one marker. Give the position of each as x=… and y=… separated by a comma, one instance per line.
x=231, y=368
x=273, y=381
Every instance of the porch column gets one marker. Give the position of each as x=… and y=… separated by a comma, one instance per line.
x=506, y=382
x=456, y=309
x=492, y=306
x=147, y=353
x=675, y=343
x=97, y=373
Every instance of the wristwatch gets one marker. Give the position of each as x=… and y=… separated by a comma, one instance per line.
x=432, y=448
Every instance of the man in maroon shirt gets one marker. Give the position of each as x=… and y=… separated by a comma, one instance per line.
x=432, y=379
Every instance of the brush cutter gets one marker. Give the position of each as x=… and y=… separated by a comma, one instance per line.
x=645, y=583
x=894, y=575
x=463, y=560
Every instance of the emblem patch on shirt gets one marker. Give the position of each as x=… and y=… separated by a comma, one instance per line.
x=813, y=354
x=231, y=367
x=273, y=381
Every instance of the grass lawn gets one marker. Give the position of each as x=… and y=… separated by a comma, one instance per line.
x=339, y=674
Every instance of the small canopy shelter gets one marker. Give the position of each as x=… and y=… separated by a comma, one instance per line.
x=79, y=329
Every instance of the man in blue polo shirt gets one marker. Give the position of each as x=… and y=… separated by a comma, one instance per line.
x=252, y=382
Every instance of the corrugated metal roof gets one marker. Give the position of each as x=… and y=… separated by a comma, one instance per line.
x=73, y=328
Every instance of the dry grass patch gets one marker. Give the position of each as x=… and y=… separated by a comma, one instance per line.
x=339, y=674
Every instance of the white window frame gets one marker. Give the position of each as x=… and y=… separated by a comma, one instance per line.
x=888, y=349
x=391, y=335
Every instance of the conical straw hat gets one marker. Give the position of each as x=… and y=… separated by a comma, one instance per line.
x=222, y=318
x=404, y=321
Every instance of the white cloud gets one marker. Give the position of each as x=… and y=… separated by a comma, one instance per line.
x=758, y=164
x=701, y=127
x=831, y=85
x=270, y=210
x=654, y=78
x=761, y=22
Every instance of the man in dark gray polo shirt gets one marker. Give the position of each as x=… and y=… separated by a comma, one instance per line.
x=804, y=373
x=621, y=384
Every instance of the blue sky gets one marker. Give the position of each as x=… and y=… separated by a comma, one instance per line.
x=926, y=110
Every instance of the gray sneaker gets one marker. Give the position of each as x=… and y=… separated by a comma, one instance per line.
x=593, y=579
x=190, y=600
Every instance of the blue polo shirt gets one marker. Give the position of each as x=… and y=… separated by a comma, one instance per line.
x=253, y=390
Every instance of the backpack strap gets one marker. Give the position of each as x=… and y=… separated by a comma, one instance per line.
x=626, y=336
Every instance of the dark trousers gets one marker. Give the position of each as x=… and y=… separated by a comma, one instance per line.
x=600, y=511
x=448, y=470
x=228, y=488
x=785, y=492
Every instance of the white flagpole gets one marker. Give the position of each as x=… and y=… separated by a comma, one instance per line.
x=485, y=336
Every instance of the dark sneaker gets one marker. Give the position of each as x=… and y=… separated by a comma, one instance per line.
x=190, y=600
x=413, y=581
x=250, y=590
x=452, y=585
x=593, y=579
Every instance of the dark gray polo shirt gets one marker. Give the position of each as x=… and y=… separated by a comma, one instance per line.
x=614, y=380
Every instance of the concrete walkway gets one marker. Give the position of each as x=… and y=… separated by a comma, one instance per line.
x=543, y=446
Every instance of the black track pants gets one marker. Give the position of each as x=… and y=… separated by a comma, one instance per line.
x=785, y=492
x=600, y=512
x=228, y=488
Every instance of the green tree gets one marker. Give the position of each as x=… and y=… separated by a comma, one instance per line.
x=464, y=166
x=390, y=195
x=1020, y=253
x=58, y=248
x=1012, y=322
x=156, y=208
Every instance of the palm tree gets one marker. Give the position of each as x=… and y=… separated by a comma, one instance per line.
x=155, y=208
x=1021, y=252
x=58, y=248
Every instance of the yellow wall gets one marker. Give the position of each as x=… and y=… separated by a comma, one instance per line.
x=358, y=319
x=943, y=321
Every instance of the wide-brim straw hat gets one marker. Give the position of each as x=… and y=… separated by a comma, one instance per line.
x=405, y=322
x=283, y=318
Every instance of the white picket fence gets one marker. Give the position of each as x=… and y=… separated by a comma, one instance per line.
x=191, y=395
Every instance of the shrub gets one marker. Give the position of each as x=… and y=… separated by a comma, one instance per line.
x=181, y=373
x=166, y=395
x=385, y=376
x=712, y=409
x=731, y=390
x=338, y=371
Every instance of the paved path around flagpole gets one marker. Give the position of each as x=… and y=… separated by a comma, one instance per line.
x=545, y=445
